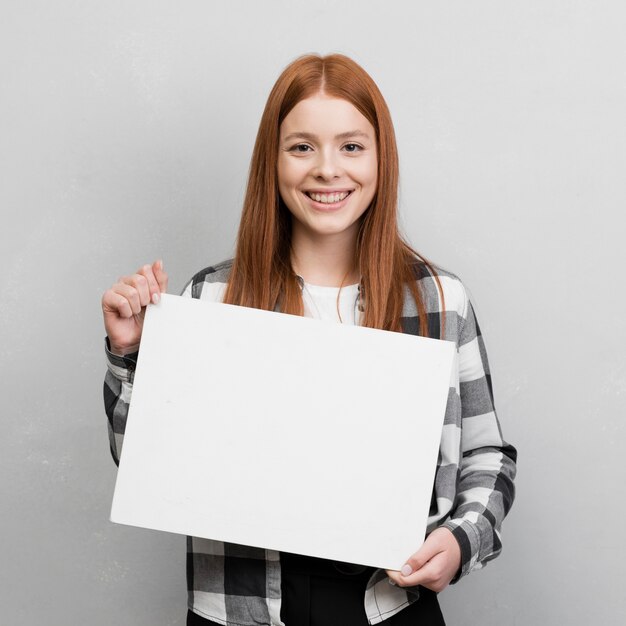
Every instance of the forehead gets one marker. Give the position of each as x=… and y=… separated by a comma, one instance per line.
x=325, y=115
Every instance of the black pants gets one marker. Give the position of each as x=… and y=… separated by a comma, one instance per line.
x=317, y=592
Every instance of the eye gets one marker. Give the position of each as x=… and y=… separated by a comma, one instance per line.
x=352, y=147
x=301, y=148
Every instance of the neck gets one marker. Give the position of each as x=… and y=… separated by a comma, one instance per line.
x=325, y=260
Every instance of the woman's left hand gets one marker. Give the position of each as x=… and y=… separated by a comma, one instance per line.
x=434, y=565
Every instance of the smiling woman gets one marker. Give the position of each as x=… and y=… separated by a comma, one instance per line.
x=325, y=128
x=325, y=178
x=319, y=237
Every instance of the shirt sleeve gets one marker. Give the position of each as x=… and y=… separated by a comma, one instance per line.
x=118, y=387
x=488, y=464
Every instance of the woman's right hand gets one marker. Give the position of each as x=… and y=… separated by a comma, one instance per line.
x=124, y=306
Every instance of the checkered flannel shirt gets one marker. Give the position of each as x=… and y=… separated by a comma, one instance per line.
x=473, y=489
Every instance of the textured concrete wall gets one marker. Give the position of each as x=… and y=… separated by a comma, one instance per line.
x=125, y=135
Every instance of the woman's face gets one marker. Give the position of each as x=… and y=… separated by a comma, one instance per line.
x=327, y=166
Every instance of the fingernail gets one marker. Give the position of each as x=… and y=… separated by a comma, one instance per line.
x=392, y=582
x=155, y=298
x=159, y=264
x=406, y=570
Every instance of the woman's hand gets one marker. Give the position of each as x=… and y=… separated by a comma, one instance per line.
x=434, y=565
x=124, y=306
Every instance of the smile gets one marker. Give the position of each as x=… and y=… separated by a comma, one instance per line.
x=328, y=198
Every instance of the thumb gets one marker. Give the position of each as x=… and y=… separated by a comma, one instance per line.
x=429, y=549
x=160, y=275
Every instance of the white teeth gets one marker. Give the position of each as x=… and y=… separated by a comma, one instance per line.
x=329, y=198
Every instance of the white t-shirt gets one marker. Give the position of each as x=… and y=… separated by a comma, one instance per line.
x=321, y=303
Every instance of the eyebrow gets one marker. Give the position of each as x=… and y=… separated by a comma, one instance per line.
x=312, y=137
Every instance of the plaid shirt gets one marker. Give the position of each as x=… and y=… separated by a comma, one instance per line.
x=473, y=489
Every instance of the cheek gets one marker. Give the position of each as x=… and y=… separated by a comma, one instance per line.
x=367, y=171
x=289, y=175
x=368, y=181
x=281, y=176
x=287, y=183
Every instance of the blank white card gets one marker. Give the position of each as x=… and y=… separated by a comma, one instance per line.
x=283, y=432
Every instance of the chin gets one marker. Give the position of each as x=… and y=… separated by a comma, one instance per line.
x=330, y=230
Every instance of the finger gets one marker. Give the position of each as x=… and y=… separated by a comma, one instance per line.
x=436, y=574
x=425, y=576
x=154, y=290
x=131, y=294
x=113, y=302
x=140, y=283
x=422, y=576
x=395, y=577
x=161, y=275
x=415, y=578
x=431, y=547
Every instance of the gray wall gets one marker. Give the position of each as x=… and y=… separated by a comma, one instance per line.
x=126, y=130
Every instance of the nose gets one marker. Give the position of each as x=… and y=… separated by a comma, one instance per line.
x=326, y=166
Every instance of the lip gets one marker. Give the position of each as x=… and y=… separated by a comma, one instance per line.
x=327, y=190
x=327, y=206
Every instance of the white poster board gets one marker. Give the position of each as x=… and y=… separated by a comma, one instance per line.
x=283, y=432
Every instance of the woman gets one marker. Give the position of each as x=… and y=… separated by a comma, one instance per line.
x=319, y=237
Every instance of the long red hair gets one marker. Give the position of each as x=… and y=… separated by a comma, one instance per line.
x=262, y=276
